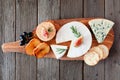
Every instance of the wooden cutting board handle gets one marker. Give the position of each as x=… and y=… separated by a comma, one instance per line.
x=15, y=47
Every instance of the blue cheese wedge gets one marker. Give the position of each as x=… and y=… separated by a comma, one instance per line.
x=100, y=28
x=71, y=32
x=59, y=50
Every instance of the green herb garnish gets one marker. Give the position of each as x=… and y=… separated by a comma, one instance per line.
x=60, y=50
x=50, y=30
x=75, y=32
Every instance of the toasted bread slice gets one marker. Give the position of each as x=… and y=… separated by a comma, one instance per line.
x=91, y=58
x=99, y=51
x=105, y=50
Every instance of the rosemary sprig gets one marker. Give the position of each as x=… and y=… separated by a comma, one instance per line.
x=60, y=50
x=75, y=32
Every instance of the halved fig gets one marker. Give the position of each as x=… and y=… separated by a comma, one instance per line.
x=31, y=46
x=41, y=50
x=78, y=42
x=46, y=31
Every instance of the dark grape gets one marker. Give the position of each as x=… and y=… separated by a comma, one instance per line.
x=25, y=33
x=25, y=38
x=30, y=34
x=22, y=37
x=22, y=43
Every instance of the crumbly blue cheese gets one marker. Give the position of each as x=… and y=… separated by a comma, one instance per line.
x=100, y=28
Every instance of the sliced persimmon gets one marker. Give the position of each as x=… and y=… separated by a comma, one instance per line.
x=41, y=50
x=31, y=46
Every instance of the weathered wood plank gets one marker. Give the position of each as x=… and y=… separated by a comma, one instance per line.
x=112, y=64
x=48, y=69
x=94, y=8
x=26, y=20
x=71, y=8
x=7, y=32
x=71, y=70
x=1, y=41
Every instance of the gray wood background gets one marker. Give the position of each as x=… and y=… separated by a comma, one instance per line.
x=17, y=16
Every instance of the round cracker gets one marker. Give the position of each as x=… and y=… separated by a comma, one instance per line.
x=99, y=51
x=91, y=58
x=46, y=26
x=105, y=51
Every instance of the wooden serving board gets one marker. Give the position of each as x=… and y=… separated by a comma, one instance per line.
x=15, y=47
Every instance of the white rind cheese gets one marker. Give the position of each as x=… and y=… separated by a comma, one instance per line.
x=100, y=28
x=65, y=34
x=59, y=50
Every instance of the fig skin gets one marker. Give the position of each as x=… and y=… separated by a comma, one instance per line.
x=79, y=41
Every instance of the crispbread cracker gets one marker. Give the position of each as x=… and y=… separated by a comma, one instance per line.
x=98, y=50
x=91, y=58
x=105, y=51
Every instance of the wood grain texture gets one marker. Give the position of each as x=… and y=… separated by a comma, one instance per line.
x=94, y=8
x=7, y=32
x=26, y=20
x=1, y=41
x=112, y=64
x=71, y=9
x=71, y=70
x=48, y=69
x=17, y=16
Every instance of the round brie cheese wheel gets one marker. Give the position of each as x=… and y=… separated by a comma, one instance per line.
x=65, y=34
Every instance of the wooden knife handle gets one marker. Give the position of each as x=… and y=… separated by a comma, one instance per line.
x=13, y=47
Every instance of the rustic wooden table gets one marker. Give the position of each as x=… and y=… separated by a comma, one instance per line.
x=17, y=16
